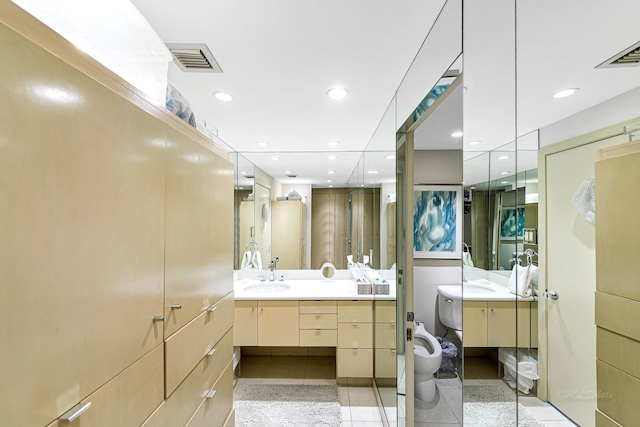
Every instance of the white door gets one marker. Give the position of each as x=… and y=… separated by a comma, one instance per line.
x=571, y=272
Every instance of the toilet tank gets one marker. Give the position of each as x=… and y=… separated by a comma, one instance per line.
x=450, y=306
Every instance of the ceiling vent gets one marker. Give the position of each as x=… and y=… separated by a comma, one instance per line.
x=292, y=176
x=629, y=57
x=194, y=57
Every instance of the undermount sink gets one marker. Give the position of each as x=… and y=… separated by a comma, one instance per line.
x=268, y=287
x=476, y=289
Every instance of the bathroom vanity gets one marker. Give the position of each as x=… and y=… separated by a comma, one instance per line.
x=318, y=313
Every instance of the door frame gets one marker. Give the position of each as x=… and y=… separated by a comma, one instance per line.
x=543, y=306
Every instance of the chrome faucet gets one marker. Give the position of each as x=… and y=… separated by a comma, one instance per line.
x=272, y=268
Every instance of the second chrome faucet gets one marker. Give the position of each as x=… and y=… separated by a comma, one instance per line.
x=272, y=268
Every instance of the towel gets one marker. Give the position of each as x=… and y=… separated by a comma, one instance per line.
x=256, y=260
x=246, y=260
x=520, y=281
x=533, y=274
x=466, y=259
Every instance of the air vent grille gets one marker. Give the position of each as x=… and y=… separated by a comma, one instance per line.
x=292, y=176
x=629, y=57
x=194, y=57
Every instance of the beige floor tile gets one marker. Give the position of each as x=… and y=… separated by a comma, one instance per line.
x=343, y=394
x=365, y=413
x=531, y=401
x=346, y=413
x=362, y=396
x=558, y=424
x=320, y=381
x=546, y=413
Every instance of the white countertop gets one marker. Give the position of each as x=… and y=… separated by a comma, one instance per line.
x=481, y=290
x=306, y=289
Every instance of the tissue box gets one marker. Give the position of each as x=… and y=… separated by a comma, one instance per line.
x=381, y=288
x=363, y=287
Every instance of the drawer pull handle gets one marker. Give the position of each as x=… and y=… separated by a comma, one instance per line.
x=210, y=352
x=176, y=306
x=75, y=412
x=355, y=324
x=317, y=331
x=210, y=394
x=393, y=350
x=355, y=301
x=393, y=324
x=212, y=308
x=158, y=319
x=355, y=349
x=317, y=316
x=317, y=301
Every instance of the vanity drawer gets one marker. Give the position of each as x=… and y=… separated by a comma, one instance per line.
x=318, y=321
x=355, y=335
x=385, y=335
x=128, y=399
x=385, y=364
x=214, y=410
x=385, y=311
x=318, y=306
x=355, y=311
x=319, y=338
x=355, y=363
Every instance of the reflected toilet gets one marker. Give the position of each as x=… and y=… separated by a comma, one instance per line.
x=427, y=360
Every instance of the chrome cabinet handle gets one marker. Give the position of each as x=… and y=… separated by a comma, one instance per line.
x=210, y=352
x=75, y=412
x=212, y=308
x=355, y=349
x=210, y=394
x=158, y=319
x=393, y=350
x=176, y=306
x=552, y=294
x=317, y=331
x=449, y=300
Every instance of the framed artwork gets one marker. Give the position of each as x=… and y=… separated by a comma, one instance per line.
x=437, y=221
x=512, y=223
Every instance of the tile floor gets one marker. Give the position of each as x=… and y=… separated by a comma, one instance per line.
x=359, y=405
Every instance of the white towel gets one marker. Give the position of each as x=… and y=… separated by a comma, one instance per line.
x=256, y=261
x=466, y=259
x=246, y=259
x=533, y=274
x=520, y=281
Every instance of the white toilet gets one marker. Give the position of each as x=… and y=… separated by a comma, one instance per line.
x=450, y=307
x=427, y=360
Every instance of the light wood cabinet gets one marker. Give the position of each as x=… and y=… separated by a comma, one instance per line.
x=354, y=356
x=278, y=324
x=318, y=323
x=217, y=404
x=245, y=323
x=494, y=324
x=289, y=231
x=385, y=339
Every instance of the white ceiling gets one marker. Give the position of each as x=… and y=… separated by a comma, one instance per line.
x=280, y=57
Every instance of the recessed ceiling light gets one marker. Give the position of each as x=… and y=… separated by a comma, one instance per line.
x=372, y=172
x=240, y=188
x=275, y=158
x=331, y=172
x=330, y=185
x=505, y=173
x=390, y=156
x=329, y=180
x=565, y=92
x=337, y=93
x=457, y=134
x=473, y=188
x=332, y=157
x=287, y=172
x=503, y=157
x=243, y=173
x=223, y=96
x=503, y=182
x=333, y=143
x=262, y=144
x=473, y=143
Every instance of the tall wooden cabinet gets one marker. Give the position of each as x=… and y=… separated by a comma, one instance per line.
x=288, y=233
x=115, y=216
x=617, y=302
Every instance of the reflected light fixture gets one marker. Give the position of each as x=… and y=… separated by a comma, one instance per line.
x=243, y=173
x=503, y=157
x=262, y=144
x=223, y=96
x=390, y=156
x=457, y=134
x=275, y=158
x=503, y=182
x=332, y=157
x=473, y=143
x=337, y=93
x=505, y=173
x=287, y=172
x=372, y=172
x=333, y=143
x=329, y=180
x=331, y=172
x=565, y=92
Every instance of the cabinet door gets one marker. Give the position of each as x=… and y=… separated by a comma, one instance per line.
x=245, y=324
x=278, y=323
x=502, y=326
x=286, y=229
x=474, y=323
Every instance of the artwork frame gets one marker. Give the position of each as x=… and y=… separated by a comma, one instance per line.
x=511, y=224
x=437, y=221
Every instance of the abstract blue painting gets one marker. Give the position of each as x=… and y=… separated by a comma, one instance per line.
x=437, y=218
x=508, y=222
